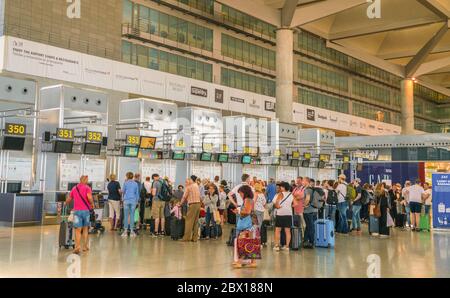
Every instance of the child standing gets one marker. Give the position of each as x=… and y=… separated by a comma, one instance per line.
x=222, y=204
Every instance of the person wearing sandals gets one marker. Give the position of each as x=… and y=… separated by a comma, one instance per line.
x=283, y=219
x=245, y=224
x=83, y=203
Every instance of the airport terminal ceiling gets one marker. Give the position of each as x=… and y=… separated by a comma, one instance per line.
x=410, y=38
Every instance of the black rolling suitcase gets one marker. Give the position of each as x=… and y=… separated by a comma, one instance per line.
x=176, y=228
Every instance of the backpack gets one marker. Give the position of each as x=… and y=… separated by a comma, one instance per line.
x=351, y=193
x=332, y=198
x=365, y=197
x=165, y=194
x=316, y=202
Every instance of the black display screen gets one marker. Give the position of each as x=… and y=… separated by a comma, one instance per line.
x=295, y=163
x=92, y=148
x=13, y=143
x=345, y=166
x=15, y=187
x=63, y=147
x=321, y=164
x=223, y=158
x=206, y=156
x=305, y=163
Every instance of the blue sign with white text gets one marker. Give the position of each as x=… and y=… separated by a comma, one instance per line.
x=441, y=200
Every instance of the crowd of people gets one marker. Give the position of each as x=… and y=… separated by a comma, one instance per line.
x=253, y=205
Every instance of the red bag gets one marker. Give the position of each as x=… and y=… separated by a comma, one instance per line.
x=249, y=249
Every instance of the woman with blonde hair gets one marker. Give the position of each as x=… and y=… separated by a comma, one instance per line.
x=114, y=195
x=260, y=203
x=382, y=204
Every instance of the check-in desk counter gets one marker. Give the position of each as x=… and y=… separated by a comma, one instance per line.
x=21, y=209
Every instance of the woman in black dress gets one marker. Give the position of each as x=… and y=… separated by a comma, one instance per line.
x=382, y=200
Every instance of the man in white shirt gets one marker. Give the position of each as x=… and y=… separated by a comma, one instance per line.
x=234, y=193
x=342, y=206
x=416, y=196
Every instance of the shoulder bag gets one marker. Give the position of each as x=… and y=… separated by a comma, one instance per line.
x=91, y=211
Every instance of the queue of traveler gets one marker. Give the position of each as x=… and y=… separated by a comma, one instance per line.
x=203, y=206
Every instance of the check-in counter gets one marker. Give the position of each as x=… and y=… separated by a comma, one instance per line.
x=21, y=209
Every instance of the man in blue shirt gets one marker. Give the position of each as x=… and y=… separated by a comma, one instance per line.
x=271, y=190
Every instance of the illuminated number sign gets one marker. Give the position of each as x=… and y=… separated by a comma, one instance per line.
x=307, y=155
x=324, y=157
x=15, y=129
x=207, y=147
x=92, y=136
x=346, y=158
x=180, y=144
x=295, y=154
x=277, y=153
x=66, y=134
x=225, y=148
x=134, y=140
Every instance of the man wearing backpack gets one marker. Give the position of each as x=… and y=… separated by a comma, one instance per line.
x=356, y=208
x=342, y=206
x=159, y=198
x=314, y=198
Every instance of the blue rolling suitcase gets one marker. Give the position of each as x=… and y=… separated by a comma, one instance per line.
x=324, y=233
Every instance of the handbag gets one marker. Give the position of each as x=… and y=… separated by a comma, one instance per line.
x=266, y=215
x=390, y=221
x=136, y=215
x=249, y=248
x=377, y=210
x=92, y=216
x=71, y=216
x=217, y=218
x=244, y=223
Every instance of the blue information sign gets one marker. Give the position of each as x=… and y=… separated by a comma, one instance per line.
x=441, y=201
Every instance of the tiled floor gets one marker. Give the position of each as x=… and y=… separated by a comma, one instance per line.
x=33, y=252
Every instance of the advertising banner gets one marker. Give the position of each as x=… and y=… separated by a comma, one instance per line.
x=32, y=58
x=441, y=200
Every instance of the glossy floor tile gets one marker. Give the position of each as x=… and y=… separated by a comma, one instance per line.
x=33, y=252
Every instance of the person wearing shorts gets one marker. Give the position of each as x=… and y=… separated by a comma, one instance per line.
x=158, y=206
x=83, y=202
x=114, y=195
x=283, y=219
x=416, y=194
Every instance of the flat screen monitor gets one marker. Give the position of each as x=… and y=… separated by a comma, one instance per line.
x=223, y=158
x=63, y=147
x=14, y=187
x=276, y=161
x=131, y=151
x=206, y=156
x=359, y=167
x=92, y=148
x=321, y=164
x=148, y=143
x=305, y=163
x=295, y=163
x=179, y=156
x=345, y=166
x=13, y=143
x=246, y=159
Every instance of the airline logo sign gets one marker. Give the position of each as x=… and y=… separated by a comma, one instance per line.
x=310, y=115
x=305, y=114
x=199, y=91
x=219, y=96
x=269, y=106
